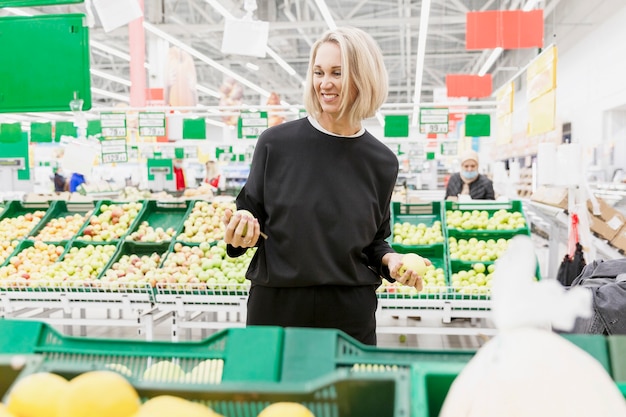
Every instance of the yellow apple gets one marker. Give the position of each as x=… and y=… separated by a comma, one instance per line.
x=244, y=213
x=413, y=262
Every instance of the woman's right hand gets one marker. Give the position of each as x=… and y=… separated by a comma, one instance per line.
x=241, y=230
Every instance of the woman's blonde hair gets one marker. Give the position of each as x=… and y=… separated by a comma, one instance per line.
x=363, y=75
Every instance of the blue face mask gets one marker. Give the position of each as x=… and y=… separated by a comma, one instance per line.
x=470, y=175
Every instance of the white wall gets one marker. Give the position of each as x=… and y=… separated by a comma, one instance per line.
x=591, y=79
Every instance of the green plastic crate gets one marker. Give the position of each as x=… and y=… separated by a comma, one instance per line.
x=251, y=354
x=431, y=383
x=617, y=352
x=427, y=214
x=60, y=209
x=14, y=209
x=311, y=353
x=594, y=344
x=31, y=3
x=491, y=207
x=98, y=211
x=162, y=214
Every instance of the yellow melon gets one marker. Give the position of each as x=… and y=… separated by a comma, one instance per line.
x=99, y=394
x=4, y=412
x=36, y=395
x=286, y=409
x=169, y=405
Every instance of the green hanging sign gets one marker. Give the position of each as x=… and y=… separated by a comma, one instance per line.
x=14, y=149
x=397, y=126
x=477, y=125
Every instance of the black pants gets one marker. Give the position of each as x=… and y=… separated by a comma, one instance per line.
x=350, y=309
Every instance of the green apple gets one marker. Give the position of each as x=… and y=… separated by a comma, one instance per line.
x=413, y=262
x=244, y=213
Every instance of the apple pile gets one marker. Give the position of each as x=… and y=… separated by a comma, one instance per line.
x=147, y=233
x=202, y=267
x=473, y=249
x=31, y=263
x=80, y=266
x=474, y=281
x=19, y=227
x=62, y=228
x=132, y=271
x=6, y=249
x=406, y=233
x=480, y=220
x=204, y=223
x=112, y=222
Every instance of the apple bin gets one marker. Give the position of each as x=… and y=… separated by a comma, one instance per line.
x=62, y=221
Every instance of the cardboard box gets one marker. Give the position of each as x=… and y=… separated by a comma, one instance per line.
x=608, y=222
x=619, y=241
x=552, y=196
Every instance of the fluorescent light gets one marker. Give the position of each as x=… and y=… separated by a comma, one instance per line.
x=281, y=61
x=158, y=32
x=530, y=4
x=421, y=53
x=495, y=54
x=220, y=9
x=105, y=93
x=110, y=77
x=321, y=4
x=252, y=66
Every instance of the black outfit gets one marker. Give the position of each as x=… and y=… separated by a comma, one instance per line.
x=324, y=202
x=480, y=189
x=59, y=182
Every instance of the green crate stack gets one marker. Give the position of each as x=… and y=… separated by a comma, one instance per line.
x=60, y=209
x=161, y=215
x=491, y=209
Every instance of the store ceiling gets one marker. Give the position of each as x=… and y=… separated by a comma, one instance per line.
x=295, y=24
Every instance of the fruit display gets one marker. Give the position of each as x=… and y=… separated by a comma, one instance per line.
x=147, y=233
x=7, y=248
x=482, y=220
x=111, y=222
x=18, y=227
x=62, y=228
x=204, y=223
x=31, y=263
x=80, y=265
x=473, y=249
x=132, y=271
x=406, y=233
x=204, y=266
x=473, y=281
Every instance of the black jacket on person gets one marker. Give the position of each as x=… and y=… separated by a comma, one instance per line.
x=324, y=201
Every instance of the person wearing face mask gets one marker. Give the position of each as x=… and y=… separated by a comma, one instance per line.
x=469, y=182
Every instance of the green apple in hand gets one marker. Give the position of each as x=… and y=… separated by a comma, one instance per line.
x=413, y=262
x=244, y=213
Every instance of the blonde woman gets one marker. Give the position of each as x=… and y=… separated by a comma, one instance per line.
x=320, y=189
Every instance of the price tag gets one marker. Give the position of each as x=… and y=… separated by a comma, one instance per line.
x=151, y=124
x=113, y=125
x=434, y=120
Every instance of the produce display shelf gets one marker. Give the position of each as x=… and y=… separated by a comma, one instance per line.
x=491, y=207
x=163, y=214
x=98, y=210
x=35, y=211
x=60, y=209
x=415, y=214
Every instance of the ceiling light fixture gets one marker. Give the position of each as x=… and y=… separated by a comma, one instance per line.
x=328, y=18
x=252, y=66
x=158, y=32
x=495, y=54
x=114, y=96
x=208, y=91
x=421, y=54
x=110, y=77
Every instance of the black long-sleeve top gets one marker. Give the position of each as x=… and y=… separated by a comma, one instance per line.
x=324, y=202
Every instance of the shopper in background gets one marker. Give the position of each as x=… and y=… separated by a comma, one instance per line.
x=320, y=187
x=76, y=180
x=60, y=183
x=469, y=182
x=213, y=175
